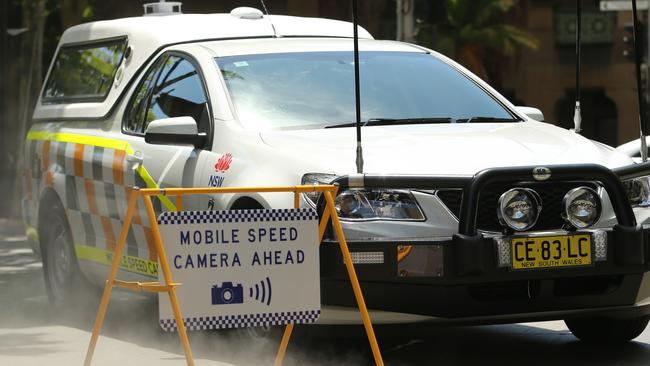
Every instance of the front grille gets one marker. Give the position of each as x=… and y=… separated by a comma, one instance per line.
x=452, y=198
x=551, y=194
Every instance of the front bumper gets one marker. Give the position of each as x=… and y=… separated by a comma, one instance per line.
x=468, y=283
x=471, y=284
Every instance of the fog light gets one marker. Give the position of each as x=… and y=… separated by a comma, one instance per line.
x=519, y=208
x=582, y=207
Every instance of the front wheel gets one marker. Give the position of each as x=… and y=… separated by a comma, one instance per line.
x=607, y=330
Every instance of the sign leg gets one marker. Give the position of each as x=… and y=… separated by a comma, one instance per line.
x=108, y=288
x=283, y=344
x=289, y=328
x=354, y=280
x=173, y=299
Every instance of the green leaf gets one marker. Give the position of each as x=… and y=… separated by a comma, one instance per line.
x=87, y=13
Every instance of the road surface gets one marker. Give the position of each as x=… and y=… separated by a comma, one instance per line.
x=32, y=334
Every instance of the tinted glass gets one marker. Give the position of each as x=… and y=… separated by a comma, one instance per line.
x=138, y=107
x=84, y=72
x=309, y=90
x=179, y=92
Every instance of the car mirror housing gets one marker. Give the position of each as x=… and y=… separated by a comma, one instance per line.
x=174, y=131
x=531, y=112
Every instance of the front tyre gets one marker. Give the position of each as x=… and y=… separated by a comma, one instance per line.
x=607, y=330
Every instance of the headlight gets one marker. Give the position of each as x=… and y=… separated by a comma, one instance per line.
x=638, y=191
x=316, y=179
x=519, y=208
x=362, y=204
x=582, y=207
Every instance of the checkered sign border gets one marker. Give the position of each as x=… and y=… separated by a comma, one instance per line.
x=259, y=215
x=243, y=320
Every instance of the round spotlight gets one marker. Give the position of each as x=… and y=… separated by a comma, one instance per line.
x=582, y=207
x=519, y=208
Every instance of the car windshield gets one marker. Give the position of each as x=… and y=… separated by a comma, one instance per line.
x=316, y=89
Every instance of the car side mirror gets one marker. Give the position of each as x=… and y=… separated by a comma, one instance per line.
x=174, y=131
x=531, y=112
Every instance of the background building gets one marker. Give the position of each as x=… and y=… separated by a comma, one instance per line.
x=545, y=77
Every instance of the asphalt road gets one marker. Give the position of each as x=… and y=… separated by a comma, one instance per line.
x=32, y=334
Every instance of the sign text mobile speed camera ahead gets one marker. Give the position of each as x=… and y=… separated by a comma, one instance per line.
x=244, y=268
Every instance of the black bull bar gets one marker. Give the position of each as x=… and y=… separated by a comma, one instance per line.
x=628, y=235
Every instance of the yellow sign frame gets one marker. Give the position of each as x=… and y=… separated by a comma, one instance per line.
x=329, y=214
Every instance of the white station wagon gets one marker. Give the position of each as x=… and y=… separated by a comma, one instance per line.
x=468, y=210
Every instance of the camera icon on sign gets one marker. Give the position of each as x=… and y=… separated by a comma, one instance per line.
x=227, y=294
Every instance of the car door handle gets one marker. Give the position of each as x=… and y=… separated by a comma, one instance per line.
x=135, y=158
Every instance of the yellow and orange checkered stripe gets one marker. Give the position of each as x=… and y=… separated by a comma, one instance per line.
x=93, y=181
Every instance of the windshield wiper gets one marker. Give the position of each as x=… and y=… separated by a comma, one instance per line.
x=484, y=119
x=395, y=121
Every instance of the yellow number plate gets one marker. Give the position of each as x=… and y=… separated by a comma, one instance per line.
x=551, y=251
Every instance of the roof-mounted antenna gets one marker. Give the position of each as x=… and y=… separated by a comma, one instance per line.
x=275, y=33
x=357, y=93
x=162, y=8
x=637, y=68
x=577, y=117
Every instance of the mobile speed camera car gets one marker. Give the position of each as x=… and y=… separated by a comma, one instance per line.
x=468, y=211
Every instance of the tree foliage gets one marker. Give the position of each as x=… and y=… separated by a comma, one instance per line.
x=474, y=28
x=31, y=60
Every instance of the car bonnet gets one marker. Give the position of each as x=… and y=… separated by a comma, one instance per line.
x=447, y=149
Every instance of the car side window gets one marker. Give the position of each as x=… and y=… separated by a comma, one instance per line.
x=179, y=92
x=140, y=100
x=172, y=87
x=84, y=72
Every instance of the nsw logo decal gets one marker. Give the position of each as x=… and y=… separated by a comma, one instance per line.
x=222, y=165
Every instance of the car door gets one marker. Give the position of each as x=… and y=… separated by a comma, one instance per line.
x=172, y=87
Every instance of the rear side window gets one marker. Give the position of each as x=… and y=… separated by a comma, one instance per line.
x=84, y=72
